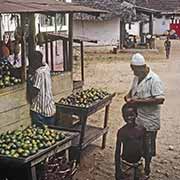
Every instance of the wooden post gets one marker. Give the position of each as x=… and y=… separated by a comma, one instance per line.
x=105, y=125
x=47, y=52
x=23, y=48
x=141, y=32
x=65, y=56
x=32, y=31
x=82, y=62
x=70, y=65
x=122, y=34
x=151, y=24
x=52, y=56
x=0, y=27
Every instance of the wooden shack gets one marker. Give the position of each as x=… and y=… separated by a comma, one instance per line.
x=14, y=108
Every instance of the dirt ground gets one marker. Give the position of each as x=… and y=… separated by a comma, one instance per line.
x=112, y=73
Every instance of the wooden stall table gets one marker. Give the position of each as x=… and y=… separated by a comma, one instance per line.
x=31, y=161
x=88, y=133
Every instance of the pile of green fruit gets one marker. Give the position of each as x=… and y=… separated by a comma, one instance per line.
x=23, y=143
x=85, y=98
x=53, y=73
x=6, y=74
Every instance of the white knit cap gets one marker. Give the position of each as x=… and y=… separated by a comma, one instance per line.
x=137, y=60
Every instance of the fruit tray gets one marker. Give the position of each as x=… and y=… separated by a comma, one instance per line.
x=41, y=154
x=90, y=109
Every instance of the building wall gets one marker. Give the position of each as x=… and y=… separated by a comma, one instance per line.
x=106, y=32
x=160, y=25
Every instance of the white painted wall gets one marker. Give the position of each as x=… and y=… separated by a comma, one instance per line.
x=106, y=32
x=134, y=28
x=160, y=25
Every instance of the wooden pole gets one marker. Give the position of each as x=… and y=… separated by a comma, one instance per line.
x=0, y=27
x=65, y=55
x=52, y=56
x=122, y=34
x=141, y=32
x=23, y=48
x=32, y=31
x=70, y=65
x=151, y=24
x=82, y=62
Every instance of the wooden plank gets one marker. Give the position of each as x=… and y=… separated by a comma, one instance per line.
x=51, y=153
x=14, y=115
x=92, y=133
x=16, y=125
x=62, y=83
x=12, y=99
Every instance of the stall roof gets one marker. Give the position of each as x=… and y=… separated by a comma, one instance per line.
x=76, y=39
x=43, y=6
x=146, y=10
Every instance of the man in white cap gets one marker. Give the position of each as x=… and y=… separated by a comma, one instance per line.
x=147, y=94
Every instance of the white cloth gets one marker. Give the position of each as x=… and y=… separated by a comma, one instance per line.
x=43, y=103
x=150, y=86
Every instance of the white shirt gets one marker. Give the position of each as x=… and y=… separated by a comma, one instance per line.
x=43, y=103
x=150, y=86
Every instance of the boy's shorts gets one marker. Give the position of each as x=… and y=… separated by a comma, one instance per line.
x=149, y=145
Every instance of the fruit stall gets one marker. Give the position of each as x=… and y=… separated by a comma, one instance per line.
x=22, y=146
x=32, y=146
x=83, y=104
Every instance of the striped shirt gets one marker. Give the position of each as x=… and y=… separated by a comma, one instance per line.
x=43, y=103
x=150, y=86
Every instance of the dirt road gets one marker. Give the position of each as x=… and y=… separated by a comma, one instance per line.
x=115, y=75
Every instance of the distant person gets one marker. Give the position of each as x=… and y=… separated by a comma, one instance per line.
x=167, y=46
x=147, y=94
x=40, y=91
x=130, y=139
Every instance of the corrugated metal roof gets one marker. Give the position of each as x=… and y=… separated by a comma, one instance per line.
x=42, y=6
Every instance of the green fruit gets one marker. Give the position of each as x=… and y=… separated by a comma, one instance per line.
x=15, y=81
x=15, y=155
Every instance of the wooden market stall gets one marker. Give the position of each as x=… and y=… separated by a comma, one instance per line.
x=14, y=108
x=77, y=84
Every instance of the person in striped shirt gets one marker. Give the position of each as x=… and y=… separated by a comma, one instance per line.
x=40, y=92
x=147, y=93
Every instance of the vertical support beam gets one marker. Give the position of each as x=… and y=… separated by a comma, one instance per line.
x=105, y=125
x=0, y=27
x=70, y=65
x=65, y=56
x=47, y=52
x=23, y=48
x=151, y=24
x=141, y=32
x=82, y=62
x=122, y=34
x=52, y=56
x=32, y=32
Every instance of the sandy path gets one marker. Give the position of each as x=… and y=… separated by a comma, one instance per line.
x=116, y=76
